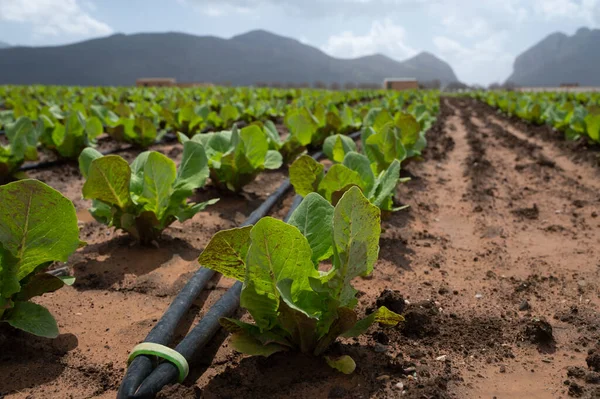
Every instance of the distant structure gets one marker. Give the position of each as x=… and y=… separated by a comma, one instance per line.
x=400, y=84
x=569, y=85
x=160, y=82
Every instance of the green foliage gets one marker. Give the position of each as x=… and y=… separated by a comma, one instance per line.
x=576, y=115
x=68, y=137
x=124, y=125
x=294, y=305
x=337, y=146
x=38, y=226
x=306, y=175
x=236, y=157
x=386, y=138
x=147, y=196
x=22, y=146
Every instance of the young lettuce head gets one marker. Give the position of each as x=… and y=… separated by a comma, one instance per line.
x=236, y=157
x=386, y=138
x=295, y=306
x=147, y=196
x=307, y=176
x=22, y=146
x=38, y=226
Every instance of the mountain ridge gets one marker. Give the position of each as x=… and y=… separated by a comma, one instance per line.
x=245, y=59
x=560, y=58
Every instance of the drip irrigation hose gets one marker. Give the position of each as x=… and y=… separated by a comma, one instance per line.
x=164, y=330
x=140, y=380
x=166, y=372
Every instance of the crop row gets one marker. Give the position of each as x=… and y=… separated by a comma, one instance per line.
x=144, y=116
x=294, y=304
x=575, y=114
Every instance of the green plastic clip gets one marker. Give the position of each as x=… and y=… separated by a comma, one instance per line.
x=162, y=352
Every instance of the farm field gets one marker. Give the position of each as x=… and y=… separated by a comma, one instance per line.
x=494, y=263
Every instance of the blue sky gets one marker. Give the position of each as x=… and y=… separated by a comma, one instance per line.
x=479, y=38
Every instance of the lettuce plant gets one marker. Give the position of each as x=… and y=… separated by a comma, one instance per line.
x=236, y=157
x=337, y=146
x=22, y=146
x=386, y=138
x=294, y=305
x=302, y=126
x=308, y=128
x=147, y=196
x=308, y=175
x=123, y=124
x=70, y=136
x=38, y=226
x=592, y=122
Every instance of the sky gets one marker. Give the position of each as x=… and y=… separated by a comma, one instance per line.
x=478, y=38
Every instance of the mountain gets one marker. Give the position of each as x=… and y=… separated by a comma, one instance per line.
x=256, y=56
x=560, y=58
x=4, y=45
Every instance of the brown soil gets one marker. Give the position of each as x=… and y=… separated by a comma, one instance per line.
x=496, y=259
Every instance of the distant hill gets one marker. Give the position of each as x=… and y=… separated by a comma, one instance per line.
x=256, y=56
x=560, y=58
x=4, y=45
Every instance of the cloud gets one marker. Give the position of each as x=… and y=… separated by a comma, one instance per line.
x=477, y=18
x=484, y=60
x=383, y=37
x=587, y=11
x=53, y=17
x=305, y=8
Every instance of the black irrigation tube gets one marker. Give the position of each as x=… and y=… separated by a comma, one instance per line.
x=140, y=380
x=163, y=332
x=166, y=373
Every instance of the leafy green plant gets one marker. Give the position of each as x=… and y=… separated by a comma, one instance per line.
x=308, y=128
x=294, y=305
x=146, y=197
x=302, y=126
x=236, y=157
x=38, y=226
x=307, y=176
x=337, y=146
x=592, y=122
x=71, y=135
x=386, y=138
x=124, y=125
x=22, y=146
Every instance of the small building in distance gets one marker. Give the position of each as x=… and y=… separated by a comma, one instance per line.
x=160, y=82
x=400, y=84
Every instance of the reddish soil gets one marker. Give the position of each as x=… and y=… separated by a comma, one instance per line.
x=495, y=266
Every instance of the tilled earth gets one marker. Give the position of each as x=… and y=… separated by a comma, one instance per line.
x=495, y=266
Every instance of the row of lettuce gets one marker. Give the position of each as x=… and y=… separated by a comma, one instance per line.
x=295, y=304
x=308, y=120
x=577, y=115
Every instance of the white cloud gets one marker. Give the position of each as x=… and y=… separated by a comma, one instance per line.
x=305, y=8
x=477, y=18
x=587, y=11
x=484, y=60
x=53, y=17
x=383, y=37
